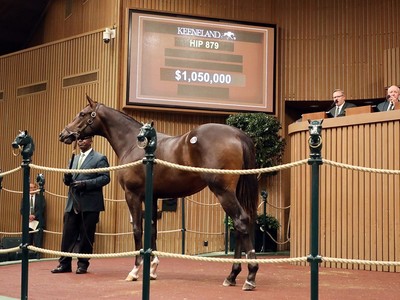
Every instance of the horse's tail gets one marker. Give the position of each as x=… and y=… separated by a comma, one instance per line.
x=247, y=187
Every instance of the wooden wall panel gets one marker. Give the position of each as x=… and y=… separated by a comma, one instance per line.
x=358, y=210
x=85, y=16
x=321, y=45
x=45, y=114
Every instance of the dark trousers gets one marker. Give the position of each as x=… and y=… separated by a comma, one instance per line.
x=36, y=239
x=78, y=234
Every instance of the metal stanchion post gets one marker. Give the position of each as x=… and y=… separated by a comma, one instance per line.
x=25, y=144
x=148, y=134
x=315, y=143
x=183, y=226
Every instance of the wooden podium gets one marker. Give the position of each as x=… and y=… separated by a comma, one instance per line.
x=314, y=116
x=359, y=110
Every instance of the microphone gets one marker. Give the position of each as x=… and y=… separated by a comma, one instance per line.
x=332, y=105
x=387, y=97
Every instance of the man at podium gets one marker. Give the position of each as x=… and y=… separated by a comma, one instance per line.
x=340, y=105
x=392, y=99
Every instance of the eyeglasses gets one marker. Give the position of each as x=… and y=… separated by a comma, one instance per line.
x=335, y=97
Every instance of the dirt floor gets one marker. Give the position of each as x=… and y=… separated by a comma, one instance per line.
x=187, y=279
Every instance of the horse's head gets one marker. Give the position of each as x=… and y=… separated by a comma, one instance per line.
x=24, y=143
x=147, y=137
x=315, y=129
x=82, y=125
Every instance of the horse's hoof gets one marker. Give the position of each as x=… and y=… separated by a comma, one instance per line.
x=153, y=276
x=228, y=282
x=249, y=286
x=131, y=278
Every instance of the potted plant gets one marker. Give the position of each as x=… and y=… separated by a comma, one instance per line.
x=266, y=233
x=264, y=131
x=266, y=225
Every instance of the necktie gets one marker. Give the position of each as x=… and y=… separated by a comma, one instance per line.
x=390, y=107
x=80, y=160
x=31, y=205
x=337, y=111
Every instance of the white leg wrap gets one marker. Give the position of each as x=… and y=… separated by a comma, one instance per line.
x=248, y=286
x=134, y=274
x=153, y=268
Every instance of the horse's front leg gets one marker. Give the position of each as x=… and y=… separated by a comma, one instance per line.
x=137, y=236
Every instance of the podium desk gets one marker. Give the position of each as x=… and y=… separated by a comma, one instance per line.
x=359, y=110
x=359, y=210
x=314, y=116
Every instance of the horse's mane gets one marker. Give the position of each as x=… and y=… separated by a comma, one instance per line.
x=123, y=114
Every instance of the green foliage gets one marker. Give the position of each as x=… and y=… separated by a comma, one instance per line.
x=263, y=221
x=264, y=131
x=230, y=223
x=267, y=222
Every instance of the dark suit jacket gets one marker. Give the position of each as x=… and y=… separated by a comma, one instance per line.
x=383, y=106
x=39, y=210
x=342, y=111
x=91, y=198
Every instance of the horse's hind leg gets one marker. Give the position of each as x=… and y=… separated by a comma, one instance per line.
x=244, y=236
x=250, y=283
x=248, y=248
x=236, y=268
x=153, y=267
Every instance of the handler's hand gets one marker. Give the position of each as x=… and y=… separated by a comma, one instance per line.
x=78, y=185
x=67, y=179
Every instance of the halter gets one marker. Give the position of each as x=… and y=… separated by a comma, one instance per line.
x=89, y=122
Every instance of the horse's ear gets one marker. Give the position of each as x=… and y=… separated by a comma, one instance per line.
x=90, y=100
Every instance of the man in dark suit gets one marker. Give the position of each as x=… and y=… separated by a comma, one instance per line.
x=84, y=204
x=37, y=205
x=392, y=98
x=340, y=104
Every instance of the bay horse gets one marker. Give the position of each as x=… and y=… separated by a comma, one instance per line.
x=214, y=146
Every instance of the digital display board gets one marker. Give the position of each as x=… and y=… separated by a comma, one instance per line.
x=180, y=61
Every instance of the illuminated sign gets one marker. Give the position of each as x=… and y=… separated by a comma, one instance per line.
x=177, y=61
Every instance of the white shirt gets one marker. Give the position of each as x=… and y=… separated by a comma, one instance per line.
x=85, y=155
x=338, y=109
x=31, y=205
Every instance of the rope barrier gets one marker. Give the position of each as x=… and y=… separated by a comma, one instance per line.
x=225, y=171
x=84, y=171
x=207, y=233
x=204, y=170
x=11, y=191
x=203, y=204
x=10, y=172
x=202, y=258
x=365, y=169
x=208, y=170
x=117, y=234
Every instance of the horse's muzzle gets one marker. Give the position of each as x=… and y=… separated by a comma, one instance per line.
x=66, y=137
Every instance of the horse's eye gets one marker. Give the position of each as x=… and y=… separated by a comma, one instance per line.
x=81, y=114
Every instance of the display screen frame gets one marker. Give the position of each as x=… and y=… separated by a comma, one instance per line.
x=187, y=62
